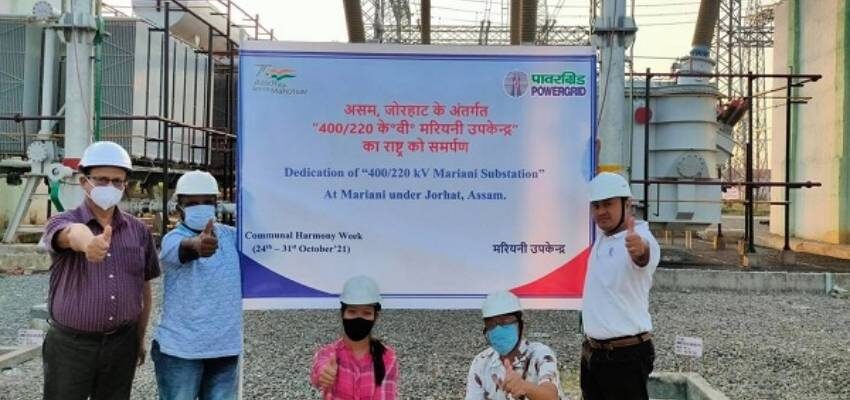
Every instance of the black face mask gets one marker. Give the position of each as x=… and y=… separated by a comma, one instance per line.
x=357, y=328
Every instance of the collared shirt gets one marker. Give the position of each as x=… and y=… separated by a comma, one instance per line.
x=201, y=313
x=616, y=291
x=536, y=363
x=355, y=379
x=99, y=296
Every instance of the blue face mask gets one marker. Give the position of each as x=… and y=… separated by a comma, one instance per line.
x=197, y=217
x=503, y=338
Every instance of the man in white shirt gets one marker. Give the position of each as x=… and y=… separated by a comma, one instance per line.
x=512, y=367
x=617, y=353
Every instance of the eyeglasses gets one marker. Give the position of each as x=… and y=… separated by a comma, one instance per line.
x=205, y=202
x=103, y=181
x=499, y=321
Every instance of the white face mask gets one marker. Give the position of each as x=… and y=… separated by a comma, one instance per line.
x=105, y=197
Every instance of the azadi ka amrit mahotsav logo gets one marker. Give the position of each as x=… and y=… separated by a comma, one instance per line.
x=276, y=80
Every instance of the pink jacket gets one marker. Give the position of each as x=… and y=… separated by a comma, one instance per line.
x=354, y=378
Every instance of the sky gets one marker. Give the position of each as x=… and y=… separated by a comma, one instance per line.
x=665, y=27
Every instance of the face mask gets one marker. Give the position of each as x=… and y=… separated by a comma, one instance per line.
x=197, y=217
x=503, y=338
x=105, y=197
x=357, y=328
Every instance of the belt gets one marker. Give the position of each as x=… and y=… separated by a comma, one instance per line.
x=91, y=335
x=617, y=343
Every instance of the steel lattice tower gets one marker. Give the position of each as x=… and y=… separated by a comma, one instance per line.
x=744, y=30
x=397, y=21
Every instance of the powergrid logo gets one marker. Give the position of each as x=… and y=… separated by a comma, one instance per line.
x=558, y=84
x=516, y=83
x=277, y=80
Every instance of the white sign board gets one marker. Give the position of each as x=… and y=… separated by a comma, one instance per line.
x=444, y=173
x=30, y=337
x=688, y=346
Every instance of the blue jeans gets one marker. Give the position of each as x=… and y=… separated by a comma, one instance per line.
x=203, y=379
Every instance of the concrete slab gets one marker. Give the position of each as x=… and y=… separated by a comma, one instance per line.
x=21, y=354
x=806, y=246
x=842, y=280
x=681, y=386
x=785, y=282
x=26, y=257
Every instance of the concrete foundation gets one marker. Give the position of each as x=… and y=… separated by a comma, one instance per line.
x=787, y=257
x=23, y=257
x=806, y=246
x=783, y=282
x=719, y=243
x=681, y=386
x=12, y=356
x=751, y=260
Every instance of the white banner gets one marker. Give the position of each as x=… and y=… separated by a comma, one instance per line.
x=444, y=173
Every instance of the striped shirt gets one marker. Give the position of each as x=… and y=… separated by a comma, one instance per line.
x=354, y=378
x=536, y=363
x=101, y=296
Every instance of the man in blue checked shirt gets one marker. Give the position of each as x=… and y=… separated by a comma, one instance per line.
x=198, y=340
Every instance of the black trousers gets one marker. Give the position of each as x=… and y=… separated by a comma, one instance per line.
x=619, y=374
x=78, y=366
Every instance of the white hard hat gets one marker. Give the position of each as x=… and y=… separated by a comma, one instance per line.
x=106, y=154
x=500, y=303
x=360, y=290
x=196, y=182
x=608, y=185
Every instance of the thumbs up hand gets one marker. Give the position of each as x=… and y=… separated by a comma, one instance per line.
x=98, y=246
x=207, y=243
x=513, y=383
x=328, y=376
x=634, y=243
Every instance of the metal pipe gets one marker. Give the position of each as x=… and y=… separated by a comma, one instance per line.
x=773, y=203
x=192, y=146
x=646, y=145
x=208, y=92
x=22, y=118
x=425, y=11
x=787, y=245
x=98, y=73
x=60, y=89
x=166, y=138
x=47, y=76
x=354, y=21
x=147, y=91
x=183, y=101
x=810, y=77
x=516, y=21
x=612, y=35
x=231, y=115
x=529, y=21
x=750, y=211
x=78, y=91
x=792, y=185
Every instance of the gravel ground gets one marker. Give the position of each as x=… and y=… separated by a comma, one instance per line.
x=17, y=295
x=757, y=346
